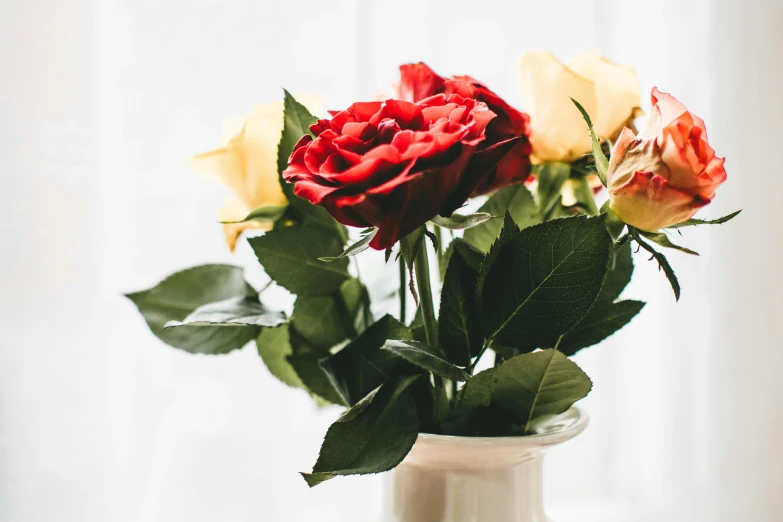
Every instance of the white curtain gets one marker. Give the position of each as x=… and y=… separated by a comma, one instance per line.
x=102, y=101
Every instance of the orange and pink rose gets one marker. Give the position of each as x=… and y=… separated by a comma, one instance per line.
x=666, y=173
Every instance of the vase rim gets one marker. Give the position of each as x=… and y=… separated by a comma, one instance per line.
x=553, y=430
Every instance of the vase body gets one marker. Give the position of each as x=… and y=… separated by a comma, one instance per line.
x=476, y=479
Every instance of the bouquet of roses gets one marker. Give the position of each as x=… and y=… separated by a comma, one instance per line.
x=526, y=280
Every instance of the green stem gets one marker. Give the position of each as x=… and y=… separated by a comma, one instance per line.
x=266, y=287
x=584, y=194
x=421, y=266
x=403, y=290
x=481, y=353
x=440, y=250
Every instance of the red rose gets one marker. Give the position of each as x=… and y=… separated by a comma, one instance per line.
x=395, y=164
x=418, y=81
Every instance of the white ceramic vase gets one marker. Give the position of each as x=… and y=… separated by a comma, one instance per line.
x=476, y=479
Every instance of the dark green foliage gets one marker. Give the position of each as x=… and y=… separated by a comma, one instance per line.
x=542, y=282
x=373, y=436
x=607, y=315
x=541, y=383
x=426, y=358
x=362, y=366
x=459, y=320
x=515, y=200
x=180, y=294
x=290, y=257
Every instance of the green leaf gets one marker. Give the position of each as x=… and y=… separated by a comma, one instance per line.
x=427, y=358
x=663, y=240
x=614, y=224
x=540, y=284
x=356, y=248
x=559, y=210
x=469, y=254
x=372, y=437
x=476, y=393
x=434, y=239
x=506, y=352
x=695, y=222
x=306, y=360
x=425, y=395
x=265, y=214
x=551, y=179
x=356, y=305
x=180, y=294
x=459, y=320
x=325, y=321
x=603, y=320
x=411, y=244
x=297, y=121
x=445, y=258
x=619, y=274
x=418, y=320
x=274, y=348
x=318, y=319
x=461, y=222
x=290, y=257
x=518, y=201
x=663, y=263
x=241, y=310
x=536, y=384
x=601, y=163
x=409, y=249
x=361, y=366
x=417, y=327
x=508, y=233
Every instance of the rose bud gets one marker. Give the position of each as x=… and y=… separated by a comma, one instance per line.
x=609, y=92
x=247, y=164
x=418, y=81
x=395, y=164
x=667, y=172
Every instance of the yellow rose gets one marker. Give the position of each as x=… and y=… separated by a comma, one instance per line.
x=609, y=92
x=247, y=164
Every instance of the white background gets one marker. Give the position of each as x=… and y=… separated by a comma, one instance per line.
x=102, y=101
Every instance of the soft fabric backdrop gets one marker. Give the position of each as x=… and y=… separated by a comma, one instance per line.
x=102, y=101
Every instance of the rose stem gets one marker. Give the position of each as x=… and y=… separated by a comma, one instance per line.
x=403, y=290
x=421, y=266
x=584, y=194
x=439, y=241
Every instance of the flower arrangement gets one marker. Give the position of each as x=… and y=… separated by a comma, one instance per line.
x=526, y=280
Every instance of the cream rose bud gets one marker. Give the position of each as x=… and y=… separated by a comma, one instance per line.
x=609, y=92
x=667, y=172
x=247, y=164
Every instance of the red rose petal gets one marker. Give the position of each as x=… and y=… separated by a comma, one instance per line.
x=418, y=81
x=397, y=164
